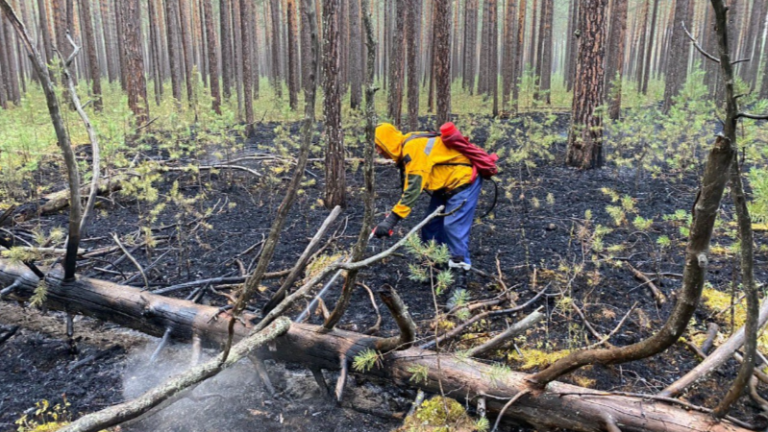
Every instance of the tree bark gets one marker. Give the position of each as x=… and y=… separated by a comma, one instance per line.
x=274, y=10
x=470, y=45
x=545, y=72
x=227, y=52
x=559, y=406
x=647, y=66
x=442, y=59
x=615, y=61
x=246, y=16
x=93, y=60
x=396, y=60
x=413, y=15
x=174, y=47
x=335, y=174
x=45, y=28
x=156, y=48
x=213, y=59
x=640, y=55
x=677, y=63
x=585, y=137
x=136, y=84
x=518, y=69
x=186, y=49
x=355, y=55
x=510, y=52
x=572, y=44
x=293, y=58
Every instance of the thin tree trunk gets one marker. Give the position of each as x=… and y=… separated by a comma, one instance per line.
x=615, y=60
x=518, y=69
x=274, y=10
x=107, y=25
x=413, y=13
x=246, y=16
x=155, y=41
x=545, y=74
x=585, y=137
x=213, y=60
x=186, y=45
x=136, y=84
x=510, y=52
x=335, y=180
x=227, y=61
x=293, y=58
x=237, y=37
x=442, y=60
x=648, y=62
x=356, y=51
x=396, y=60
x=93, y=60
x=174, y=47
x=572, y=44
x=640, y=56
x=470, y=45
x=677, y=66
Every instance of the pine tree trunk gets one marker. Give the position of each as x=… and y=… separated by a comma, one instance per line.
x=136, y=84
x=545, y=74
x=442, y=60
x=335, y=180
x=186, y=43
x=485, y=50
x=764, y=87
x=518, y=69
x=246, y=17
x=10, y=65
x=470, y=45
x=237, y=47
x=356, y=54
x=93, y=60
x=227, y=53
x=174, y=47
x=293, y=57
x=615, y=62
x=455, y=43
x=395, y=95
x=640, y=55
x=754, y=51
x=493, y=63
x=585, y=138
x=45, y=29
x=413, y=14
x=510, y=52
x=3, y=66
x=572, y=44
x=156, y=44
x=532, y=46
x=677, y=66
x=274, y=10
x=539, y=51
x=343, y=17
x=213, y=60
x=648, y=62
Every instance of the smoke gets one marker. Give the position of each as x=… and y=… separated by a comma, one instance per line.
x=218, y=404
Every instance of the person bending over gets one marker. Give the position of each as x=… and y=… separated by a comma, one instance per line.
x=428, y=164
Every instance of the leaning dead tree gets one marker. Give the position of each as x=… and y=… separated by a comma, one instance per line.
x=705, y=209
x=62, y=136
x=558, y=406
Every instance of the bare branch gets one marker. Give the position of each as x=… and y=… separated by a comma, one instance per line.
x=752, y=116
x=133, y=260
x=698, y=47
x=744, y=60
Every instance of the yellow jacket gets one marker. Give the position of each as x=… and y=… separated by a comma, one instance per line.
x=427, y=164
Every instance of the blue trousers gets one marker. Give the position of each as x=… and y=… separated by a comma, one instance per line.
x=453, y=230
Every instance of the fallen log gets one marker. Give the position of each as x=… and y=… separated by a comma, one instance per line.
x=558, y=406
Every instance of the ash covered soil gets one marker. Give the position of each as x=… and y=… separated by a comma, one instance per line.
x=538, y=237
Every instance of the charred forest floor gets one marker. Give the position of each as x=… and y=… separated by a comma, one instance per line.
x=570, y=232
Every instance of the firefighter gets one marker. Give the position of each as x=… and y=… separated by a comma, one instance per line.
x=427, y=164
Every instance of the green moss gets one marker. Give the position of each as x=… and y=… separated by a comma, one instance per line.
x=439, y=415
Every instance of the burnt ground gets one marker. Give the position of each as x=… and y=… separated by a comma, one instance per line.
x=538, y=232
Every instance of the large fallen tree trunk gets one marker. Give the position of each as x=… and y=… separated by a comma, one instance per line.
x=559, y=405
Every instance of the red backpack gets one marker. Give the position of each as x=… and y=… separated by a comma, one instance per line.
x=483, y=164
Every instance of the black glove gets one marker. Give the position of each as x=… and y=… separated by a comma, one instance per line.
x=385, y=228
